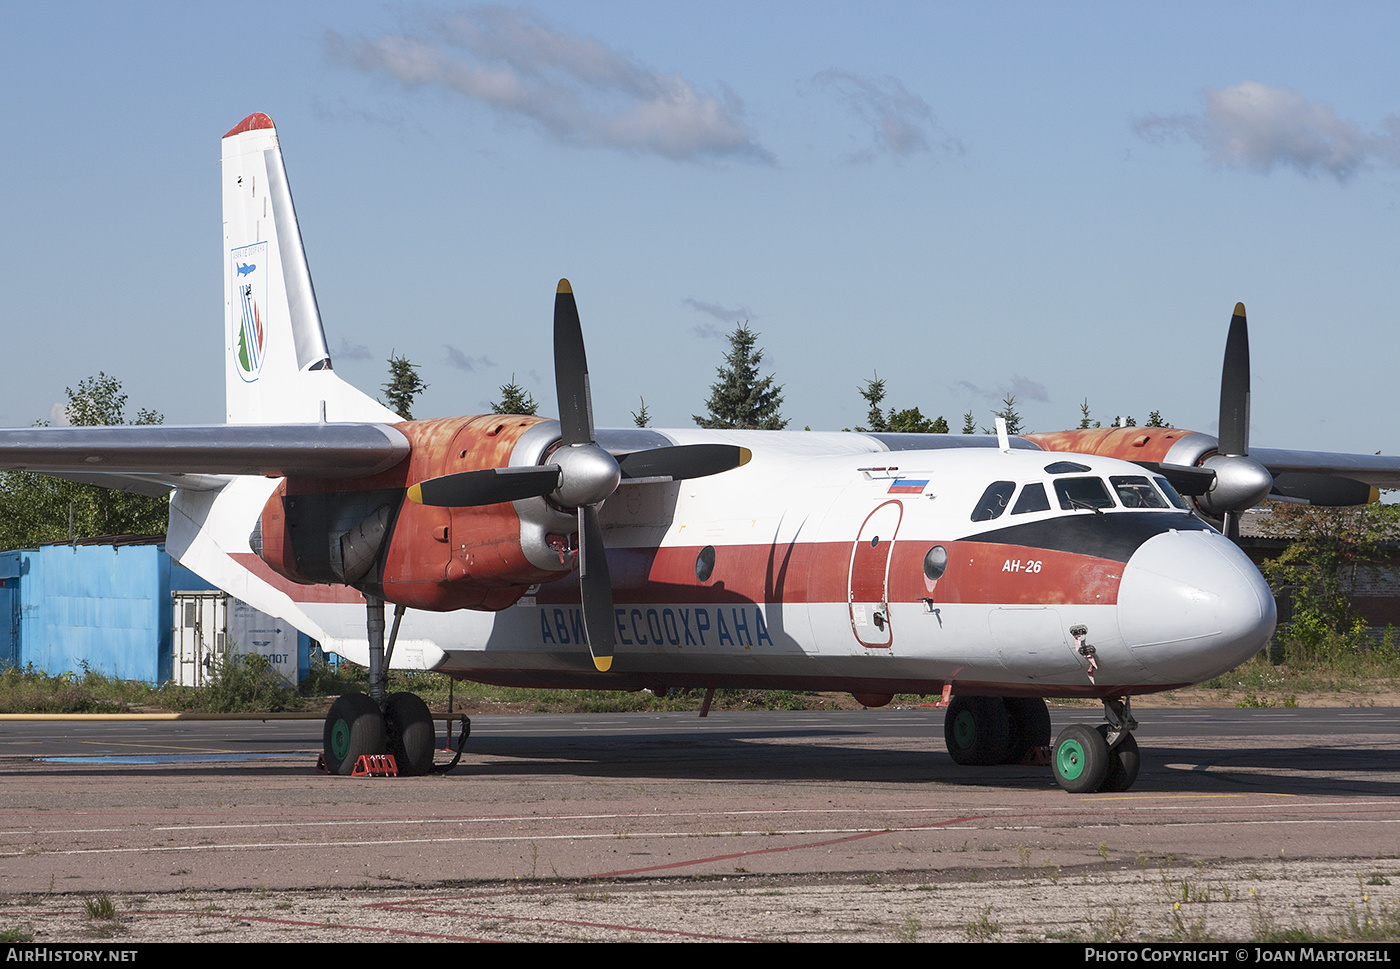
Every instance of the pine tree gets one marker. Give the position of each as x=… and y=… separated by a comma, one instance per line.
x=1009, y=414
x=642, y=418
x=403, y=387
x=740, y=398
x=514, y=400
x=874, y=393
x=969, y=424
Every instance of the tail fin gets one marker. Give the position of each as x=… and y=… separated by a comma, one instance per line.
x=277, y=365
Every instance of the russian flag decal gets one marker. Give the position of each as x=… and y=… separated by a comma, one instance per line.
x=908, y=486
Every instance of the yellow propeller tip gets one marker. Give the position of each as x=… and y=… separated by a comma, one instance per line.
x=415, y=494
x=564, y=287
x=604, y=663
x=745, y=456
x=1239, y=309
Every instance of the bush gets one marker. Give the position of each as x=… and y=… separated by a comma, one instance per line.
x=244, y=683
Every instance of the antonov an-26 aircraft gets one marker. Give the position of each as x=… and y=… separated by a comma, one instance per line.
x=1002, y=568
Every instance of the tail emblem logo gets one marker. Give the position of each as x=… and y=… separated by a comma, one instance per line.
x=248, y=336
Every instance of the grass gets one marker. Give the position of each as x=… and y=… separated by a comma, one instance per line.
x=247, y=683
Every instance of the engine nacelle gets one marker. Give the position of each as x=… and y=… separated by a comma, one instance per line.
x=362, y=532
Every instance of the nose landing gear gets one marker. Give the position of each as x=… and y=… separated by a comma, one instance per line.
x=1103, y=758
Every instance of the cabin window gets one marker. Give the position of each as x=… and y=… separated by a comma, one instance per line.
x=705, y=563
x=935, y=563
x=1032, y=498
x=1135, y=491
x=1083, y=493
x=993, y=501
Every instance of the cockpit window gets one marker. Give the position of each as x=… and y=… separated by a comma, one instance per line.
x=1083, y=493
x=1135, y=491
x=993, y=501
x=1172, y=495
x=1032, y=498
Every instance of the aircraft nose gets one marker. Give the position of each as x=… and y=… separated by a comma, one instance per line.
x=1191, y=606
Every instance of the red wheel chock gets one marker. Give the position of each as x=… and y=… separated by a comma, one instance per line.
x=376, y=765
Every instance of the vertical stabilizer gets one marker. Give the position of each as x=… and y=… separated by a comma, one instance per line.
x=277, y=364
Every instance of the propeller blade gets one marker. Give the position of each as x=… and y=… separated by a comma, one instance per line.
x=571, y=370
x=1234, y=387
x=489, y=486
x=1326, y=490
x=595, y=587
x=1230, y=525
x=683, y=461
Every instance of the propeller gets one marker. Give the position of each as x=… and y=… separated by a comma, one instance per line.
x=1240, y=481
x=581, y=475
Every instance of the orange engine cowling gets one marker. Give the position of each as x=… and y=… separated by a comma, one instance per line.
x=362, y=533
x=1124, y=443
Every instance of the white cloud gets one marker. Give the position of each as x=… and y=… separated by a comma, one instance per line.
x=575, y=89
x=462, y=361
x=346, y=350
x=900, y=122
x=1022, y=388
x=719, y=312
x=1257, y=128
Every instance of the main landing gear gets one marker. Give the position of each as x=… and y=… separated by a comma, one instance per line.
x=376, y=723
x=983, y=730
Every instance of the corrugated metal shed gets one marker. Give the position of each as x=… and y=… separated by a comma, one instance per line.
x=106, y=606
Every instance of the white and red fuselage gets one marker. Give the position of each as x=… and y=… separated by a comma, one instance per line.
x=827, y=562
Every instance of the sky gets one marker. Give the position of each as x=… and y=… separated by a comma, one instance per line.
x=1062, y=202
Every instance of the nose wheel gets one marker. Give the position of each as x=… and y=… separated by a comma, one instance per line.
x=1103, y=758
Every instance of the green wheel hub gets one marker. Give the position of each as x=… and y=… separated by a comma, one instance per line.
x=965, y=729
x=1070, y=759
x=340, y=739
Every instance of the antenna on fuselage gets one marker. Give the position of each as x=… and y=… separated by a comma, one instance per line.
x=1003, y=441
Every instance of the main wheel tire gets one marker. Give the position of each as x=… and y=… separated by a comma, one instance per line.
x=1123, y=763
x=1081, y=759
x=354, y=727
x=1030, y=726
x=977, y=730
x=410, y=735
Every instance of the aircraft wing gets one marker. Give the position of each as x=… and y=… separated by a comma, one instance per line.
x=150, y=457
x=1377, y=470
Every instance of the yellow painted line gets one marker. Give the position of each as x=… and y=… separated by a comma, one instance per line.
x=99, y=717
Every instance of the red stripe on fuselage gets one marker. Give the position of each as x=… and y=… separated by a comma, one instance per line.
x=809, y=572
x=295, y=590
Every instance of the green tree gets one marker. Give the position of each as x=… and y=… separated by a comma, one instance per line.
x=969, y=423
x=642, y=418
x=912, y=421
x=874, y=394
x=1084, y=423
x=1328, y=550
x=909, y=421
x=1154, y=419
x=514, y=400
x=35, y=508
x=403, y=387
x=740, y=398
x=1007, y=413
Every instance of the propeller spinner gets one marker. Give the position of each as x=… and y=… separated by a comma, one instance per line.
x=581, y=475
